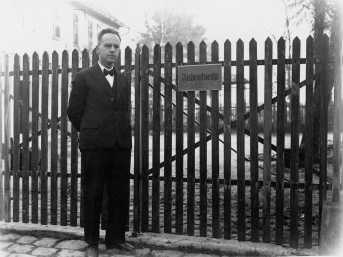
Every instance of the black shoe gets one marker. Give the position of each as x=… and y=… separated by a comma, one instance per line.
x=113, y=244
x=121, y=246
x=92, y=251
x=125, y=246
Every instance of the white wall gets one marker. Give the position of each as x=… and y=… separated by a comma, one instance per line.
x=30, y=27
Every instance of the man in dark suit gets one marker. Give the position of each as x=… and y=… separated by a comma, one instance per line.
x=99, y=109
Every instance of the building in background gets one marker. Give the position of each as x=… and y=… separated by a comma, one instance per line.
x=53, y=25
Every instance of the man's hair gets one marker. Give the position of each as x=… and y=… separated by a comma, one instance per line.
x=106, y=31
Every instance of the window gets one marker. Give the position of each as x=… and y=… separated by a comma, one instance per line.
x=56, y=29
x=56, y=33
x=90, y=35
x=75, y=30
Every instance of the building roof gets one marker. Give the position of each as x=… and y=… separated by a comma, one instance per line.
x=97, y=13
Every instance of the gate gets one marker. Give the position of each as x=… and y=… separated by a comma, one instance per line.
x=215, y=163
x=223, y=184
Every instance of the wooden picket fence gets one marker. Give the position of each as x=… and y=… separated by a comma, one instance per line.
x=240, y=192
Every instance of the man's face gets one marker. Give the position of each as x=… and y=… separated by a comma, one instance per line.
x=108, y=49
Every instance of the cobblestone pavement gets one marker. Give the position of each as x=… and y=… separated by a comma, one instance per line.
x=25, y=240
x=16, y=245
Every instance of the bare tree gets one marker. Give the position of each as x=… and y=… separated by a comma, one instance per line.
x=166, y=26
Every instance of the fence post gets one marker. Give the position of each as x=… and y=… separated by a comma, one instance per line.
x=308, y=144
x=336, y=37
x=323, y=94
x=331, y=224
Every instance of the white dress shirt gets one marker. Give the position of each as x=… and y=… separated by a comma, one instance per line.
x=109, y=78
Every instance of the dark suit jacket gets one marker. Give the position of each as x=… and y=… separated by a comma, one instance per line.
x=100, y=113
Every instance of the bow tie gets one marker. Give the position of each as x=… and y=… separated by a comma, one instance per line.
x=109, y=72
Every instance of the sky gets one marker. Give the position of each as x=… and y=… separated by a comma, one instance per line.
x=222, y=19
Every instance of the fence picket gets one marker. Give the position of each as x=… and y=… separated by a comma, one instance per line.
x=268, y=88
x=253, y=141
x=240, y=142
x=44, y=139
x=128, y=62
x=16, y=134
x=280, y=165
x=167, y=137
x=191, y=148
x=145, y=136
x=137, y=166
x=128, y=73
x=156, y=141
x=25, y=155
x=54, y=135
x=7, y=122
x=294, y=233
x=85, y=64
x=203, y=150
x=34, y=137
x=179, y=147
x=64, y=138
x=215, y=150
x=227, y=139
x=74, y=156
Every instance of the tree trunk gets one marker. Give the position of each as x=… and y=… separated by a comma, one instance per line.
x=318, y=28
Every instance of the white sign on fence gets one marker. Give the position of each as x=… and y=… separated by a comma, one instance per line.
x=199, y=77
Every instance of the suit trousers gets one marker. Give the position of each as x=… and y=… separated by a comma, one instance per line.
x=110, y=167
